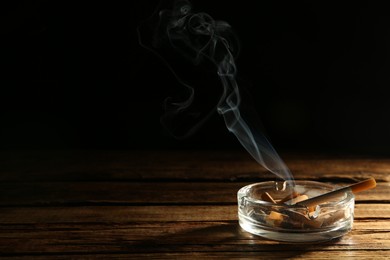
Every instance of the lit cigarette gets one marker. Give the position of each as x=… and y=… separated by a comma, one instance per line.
x=357, y=187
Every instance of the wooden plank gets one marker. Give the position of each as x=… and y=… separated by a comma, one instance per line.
x=170, y=237
x=130, y=214
x=171, y=165
x=303, y=254
x=178, y=219
x=68, y=193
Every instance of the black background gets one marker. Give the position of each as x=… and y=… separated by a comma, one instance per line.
x=73, y=76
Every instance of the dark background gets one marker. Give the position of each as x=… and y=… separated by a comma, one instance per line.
x=74, y=76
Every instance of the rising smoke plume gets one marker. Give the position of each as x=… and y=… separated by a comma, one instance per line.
x=201, y=39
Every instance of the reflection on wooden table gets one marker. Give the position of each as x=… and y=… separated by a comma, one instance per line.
x=168, y=205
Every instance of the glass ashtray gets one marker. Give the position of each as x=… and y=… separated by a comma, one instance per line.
x=283, y=221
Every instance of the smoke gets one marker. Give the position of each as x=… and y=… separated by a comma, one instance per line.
x=203, y=40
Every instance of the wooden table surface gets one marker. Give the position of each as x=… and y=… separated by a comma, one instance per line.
x=132, y=205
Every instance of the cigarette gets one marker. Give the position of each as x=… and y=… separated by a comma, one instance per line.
x=357, y=187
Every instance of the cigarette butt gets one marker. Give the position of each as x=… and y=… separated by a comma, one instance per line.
x=293, y=195
x=357, y=187
x=297, y=199
x=312, y=209
x=274, y=218
x=298, y=220
x=267, y=197
x=273, y=215
x=289, y=200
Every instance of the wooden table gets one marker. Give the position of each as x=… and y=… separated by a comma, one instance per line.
x=168, y=205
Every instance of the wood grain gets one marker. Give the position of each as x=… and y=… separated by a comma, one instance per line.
x=168, y=205
x=171, y=165
x=89, y=193
x=182, y=236
x=306, y=254
x=127, y=214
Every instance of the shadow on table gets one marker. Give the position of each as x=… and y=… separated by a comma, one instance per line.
x=224, y=236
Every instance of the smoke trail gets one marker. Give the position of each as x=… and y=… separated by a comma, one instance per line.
x=200, y=38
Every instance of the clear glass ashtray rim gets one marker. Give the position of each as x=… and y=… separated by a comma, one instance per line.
x=293, y=234
x=242, y=192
